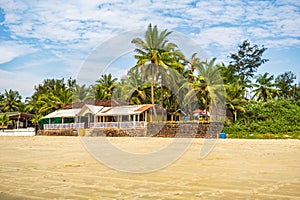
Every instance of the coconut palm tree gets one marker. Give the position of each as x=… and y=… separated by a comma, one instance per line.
x=4, y=120
x=81, y=93
x=264, y=87
x=234, y=99
x=155, y=52
x=107, y=83
x=36, y=121
x=208, y=85
x=11, y=101
x=56, y=99
x=98, y=92
x=133, y=88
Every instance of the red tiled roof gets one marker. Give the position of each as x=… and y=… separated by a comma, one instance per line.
x=144, y=108
x=105, y=111
x=105, y=103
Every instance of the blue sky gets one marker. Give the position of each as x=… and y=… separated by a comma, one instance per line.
x=52, y=39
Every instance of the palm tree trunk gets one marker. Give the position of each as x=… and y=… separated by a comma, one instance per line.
x=152, y=92
x=162, y=96
x=235, y=115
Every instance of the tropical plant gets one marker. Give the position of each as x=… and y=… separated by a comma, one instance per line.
x=297, y=92
x=234, y=100
x=265, y=118
x=50, y=95
x=208, y=86
x=54, y=100
x=1, y=97
x=4, y=120
x=97, y=92
x=247, y=60
x=36, y=121
x=11, y=101
x=227, y=73
x=133, y=88
x=155, y=54
x=285, y=84
x=81, y=93
x=32, y=105
x=106, y=84
x=245, y=63
x=264, y=87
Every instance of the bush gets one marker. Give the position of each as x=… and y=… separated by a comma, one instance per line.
x=271, y=119
x=109, y=132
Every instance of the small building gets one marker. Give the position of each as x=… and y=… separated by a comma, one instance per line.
x=175, y=115
x=87, y=114
x=97, y=116
x=64, y=118
x=129, y=116
x=18, y=120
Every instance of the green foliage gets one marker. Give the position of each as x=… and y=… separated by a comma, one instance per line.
x=278, y=117
x=264, y=88
x=155, y=55
x=11, y=101
x=285, y=85
x=247, y=60
x=4, y=121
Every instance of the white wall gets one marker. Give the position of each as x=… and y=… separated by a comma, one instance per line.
x=18, y=132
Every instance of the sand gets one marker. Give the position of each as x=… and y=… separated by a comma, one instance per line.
x=60, y=168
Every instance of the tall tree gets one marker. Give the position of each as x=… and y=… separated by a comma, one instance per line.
x=234, y=100
x=264, y=87
x=81, y=93
x=4, y=120
x=36, y=121
x=227, y=72
x=156, y=51
x=11, y=101
x=50, y=95
x=58, y=98
x=246, y=61
x=133, y=88
x=208, y=85
x=107, y=83
x=297, y=92
x=1, y=97
x=285, y=83
x=98, y=92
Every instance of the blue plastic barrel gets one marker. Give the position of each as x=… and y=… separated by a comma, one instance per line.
x=223, y=135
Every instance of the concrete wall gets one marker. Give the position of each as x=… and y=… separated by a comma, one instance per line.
x=18, y=132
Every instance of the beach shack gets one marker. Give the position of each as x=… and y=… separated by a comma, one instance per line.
x=128, y=116
x=98, y=116
x=18, y=120
x=62, y=119
x=87, y=114
x=175, y=115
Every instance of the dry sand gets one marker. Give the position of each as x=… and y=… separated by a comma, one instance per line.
x=61, y=168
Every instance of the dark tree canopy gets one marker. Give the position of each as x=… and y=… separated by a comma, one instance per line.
x=247, y=60
x=284, y=83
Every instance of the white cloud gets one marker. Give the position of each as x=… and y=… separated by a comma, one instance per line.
x=70, y=30
x=20, y=81
x=10, y=50
x=223, y=38
x=80, y=23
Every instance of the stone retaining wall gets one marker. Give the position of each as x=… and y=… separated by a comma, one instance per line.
x=184, y=129
x=58, y=132
x=153, y=129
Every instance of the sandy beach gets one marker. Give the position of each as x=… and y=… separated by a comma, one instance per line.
x=61, y=168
